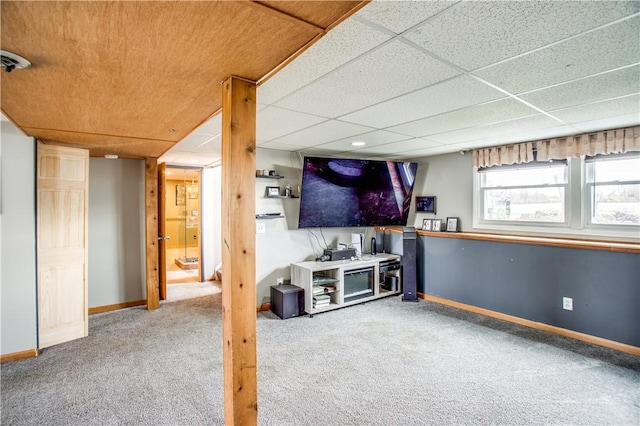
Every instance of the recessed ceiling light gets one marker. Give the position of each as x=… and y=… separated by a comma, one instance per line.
x=11, y=61
x=358, y=143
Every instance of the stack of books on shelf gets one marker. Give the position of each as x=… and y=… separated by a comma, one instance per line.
x=324, y=289
x=318, y=289
x=321, y=300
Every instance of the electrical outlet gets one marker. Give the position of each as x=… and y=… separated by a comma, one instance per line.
x=280, y=281
x=567, y=303
x=261, y=228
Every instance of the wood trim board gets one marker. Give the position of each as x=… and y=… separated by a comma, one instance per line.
x=521, y=239
x=116, y=306
x=17, y=356
x=622, y=347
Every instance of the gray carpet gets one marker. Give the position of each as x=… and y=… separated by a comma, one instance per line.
x=385, y=362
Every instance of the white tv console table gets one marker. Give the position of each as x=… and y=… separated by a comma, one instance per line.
x=336, y=284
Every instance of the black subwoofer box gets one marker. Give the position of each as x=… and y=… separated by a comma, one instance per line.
x=287, y=301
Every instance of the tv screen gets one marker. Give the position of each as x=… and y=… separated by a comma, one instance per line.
x=339, y=192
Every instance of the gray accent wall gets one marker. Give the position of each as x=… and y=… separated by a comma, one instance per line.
x=529, y=281
x=116, y=232
x=18, y=236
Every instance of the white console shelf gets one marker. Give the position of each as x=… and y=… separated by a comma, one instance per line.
x=325, y=287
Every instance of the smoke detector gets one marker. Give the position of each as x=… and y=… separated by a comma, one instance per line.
x=11, y=61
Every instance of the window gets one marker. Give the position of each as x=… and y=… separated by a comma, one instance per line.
x=613, y=190
x=532, y=192
x=597, y=196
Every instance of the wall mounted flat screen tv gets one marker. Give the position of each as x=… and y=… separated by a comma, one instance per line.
x=340, y=192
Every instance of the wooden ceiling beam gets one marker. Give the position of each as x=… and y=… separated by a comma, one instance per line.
x=276, y=12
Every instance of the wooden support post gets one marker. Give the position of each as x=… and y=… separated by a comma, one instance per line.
x=151, y=214
x=238, y=252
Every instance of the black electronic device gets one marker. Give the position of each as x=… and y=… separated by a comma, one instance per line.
x=409, y=270
x=287, y=301
x=373, y=246
x=342, y=192
x=336, y=254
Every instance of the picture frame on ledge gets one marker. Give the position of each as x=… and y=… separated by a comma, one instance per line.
x=426, y=204
x=436, y=225
x=452, y=224
x=426, y=225
x=273, y=191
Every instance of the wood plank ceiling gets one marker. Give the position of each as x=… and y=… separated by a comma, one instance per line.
x=134, y=78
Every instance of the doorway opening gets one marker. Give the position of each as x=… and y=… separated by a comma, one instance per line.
x=182, y=226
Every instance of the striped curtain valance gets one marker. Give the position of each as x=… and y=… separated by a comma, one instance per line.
x=501, y=155
x=615, y=141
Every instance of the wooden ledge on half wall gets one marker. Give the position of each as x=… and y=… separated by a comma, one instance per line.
x=520, y=239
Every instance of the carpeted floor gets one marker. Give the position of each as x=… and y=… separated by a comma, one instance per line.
x=385, y=362
x=191, y=290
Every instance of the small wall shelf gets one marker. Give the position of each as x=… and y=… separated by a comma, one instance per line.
x=269, y=216
x=270, y=177
x=282, y=196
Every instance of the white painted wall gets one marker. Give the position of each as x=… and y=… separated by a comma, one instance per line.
x=116, y=231
x=450, y=178
x=18, y=249
x=283, y=243
x=211, y=182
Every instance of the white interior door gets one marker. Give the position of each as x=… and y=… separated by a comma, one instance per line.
x=62, y=193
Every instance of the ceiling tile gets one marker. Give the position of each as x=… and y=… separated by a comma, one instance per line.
x=281, y=146
x=379, y=137
x=212, y=126
x=618, y=121
x=600, y=87
x=274, y=122
x=193, y=141
x=392, y=70
x=490, y=112
x=609, y=48
x=527, y=135
x=398, y=147
x=322, y=133
x=318, y=152
x=450, y=95
x=212, y=145
x=399, y=16
x=495, y=130
x=472, y=34
x=345, y=42
x=436, y=150
x=598, y=110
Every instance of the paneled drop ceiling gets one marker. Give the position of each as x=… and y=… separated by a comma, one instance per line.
x=135, y=77
x=408, y=78
x=419, y=78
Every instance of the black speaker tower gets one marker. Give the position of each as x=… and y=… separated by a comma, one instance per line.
x=409, y=269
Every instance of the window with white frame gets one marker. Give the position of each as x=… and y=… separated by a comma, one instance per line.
x=613, y=190
x=528, y=193
x=598, y=196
